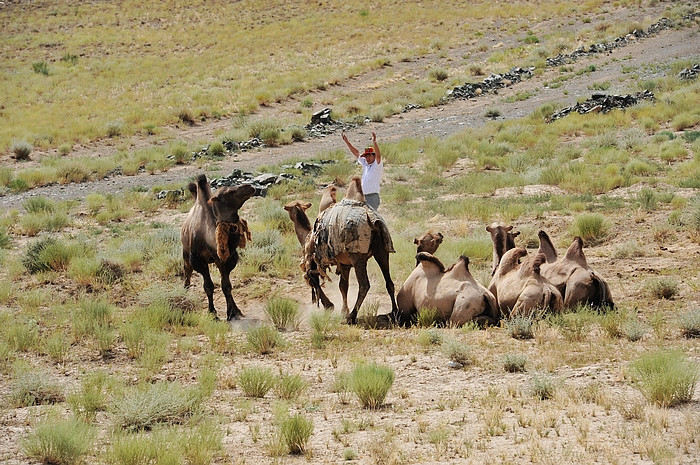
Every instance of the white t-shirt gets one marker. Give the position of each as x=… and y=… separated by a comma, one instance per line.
x=371, y=175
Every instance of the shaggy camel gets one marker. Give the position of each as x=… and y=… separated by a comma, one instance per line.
x=211, y=233
x=346, y=235
x=428, y=242
x=454, y=293
x=519, y=288
x=302, y=227
x=503, y=240
x=577, y=282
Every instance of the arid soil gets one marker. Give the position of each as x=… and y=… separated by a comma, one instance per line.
x=592, y=417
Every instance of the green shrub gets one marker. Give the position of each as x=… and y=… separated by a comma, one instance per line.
x=59, y=442
x=298, y=134
x=591, y=227
x=457, y=352
x=427, y=317
x=514, y=363
x=342, y=386
x=647, y=199
x=21, y=335
x=5, y=240
x=665, y=377
x=323, y=326
x=56, y=346
x=543, y=386
x=295, y=432
x=633, y=329
x=21, y=150
x=47, y=254
x=216, y=149
x=290, y=386
x=39, y=204
x=92, y=396
x=263, y=339
x=283, y=312
x=690, y=323
x=40, y=67
x=34, y=387
x=520, y=327
x=663, y=287
x=145, y=406
x=371, y=382
x=438, y=74
x=114, y=128
x=430, y=337
x=256, y=381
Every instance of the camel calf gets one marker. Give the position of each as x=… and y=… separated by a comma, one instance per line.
x=211, y=233
x=454, y=293
x=577, y=282
x=503, y=240
x=520, y=288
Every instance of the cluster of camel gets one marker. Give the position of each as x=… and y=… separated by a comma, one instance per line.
x=347, y=233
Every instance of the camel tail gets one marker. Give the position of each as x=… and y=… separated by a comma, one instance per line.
x=602, y=296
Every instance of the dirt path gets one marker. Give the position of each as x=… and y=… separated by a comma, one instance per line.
x=644, y=57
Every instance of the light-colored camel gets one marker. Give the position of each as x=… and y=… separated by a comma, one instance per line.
x=454, y=293
x=428, y=242
x=302, y=227
x=520, y=289
x=211, y=233
x=503, y=239
x=577, y=282
x=346, y=235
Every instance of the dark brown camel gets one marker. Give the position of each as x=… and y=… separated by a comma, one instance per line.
x=503, y=239
x=346, y=235
x=211, y=233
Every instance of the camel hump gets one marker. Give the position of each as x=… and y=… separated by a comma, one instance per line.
x=192, y=187
x=354, y=191
x=537, y=262
x=465, y=259
x=430, y=258
x=546, y=246
x=575, y=251
x=511, y=260
x=203, y=189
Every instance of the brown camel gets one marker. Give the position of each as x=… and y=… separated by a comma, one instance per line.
x=428, y=242
x=520, y=288
x=211, y=233
x=454, y=293
x=577, y=282
x=346, y=235
x=503, y=240
x=302, y=227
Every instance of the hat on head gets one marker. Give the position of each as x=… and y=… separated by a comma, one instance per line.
x=368, y=151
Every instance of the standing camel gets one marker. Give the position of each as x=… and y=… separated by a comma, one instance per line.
x=211, y=233
x=346, y=235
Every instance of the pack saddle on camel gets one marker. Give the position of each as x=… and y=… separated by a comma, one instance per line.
x=345, y=235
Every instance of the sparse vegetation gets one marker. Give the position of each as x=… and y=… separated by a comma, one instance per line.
x=371, y=382
x=665, y=377
x=256, y=381
x=59, y=442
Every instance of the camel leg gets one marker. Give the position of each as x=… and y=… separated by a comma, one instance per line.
x=382, y=258
x=363, y=285
x=188, y=268
x=232, y=310
x=343, y=285
x=202, y=268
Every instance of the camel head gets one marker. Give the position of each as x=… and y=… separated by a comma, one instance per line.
x=328, y=198
x=546, y=247
x=226, y=202
x=428, y=242
x=354, y=191
x=503, y=240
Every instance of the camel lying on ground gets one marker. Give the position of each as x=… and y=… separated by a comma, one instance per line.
x=519, y=287
x=211, y=233
x=346, y=235
x=302, y=227
x=503, y=240
x=454, y=293
x=428, y=242
x=577, y=282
